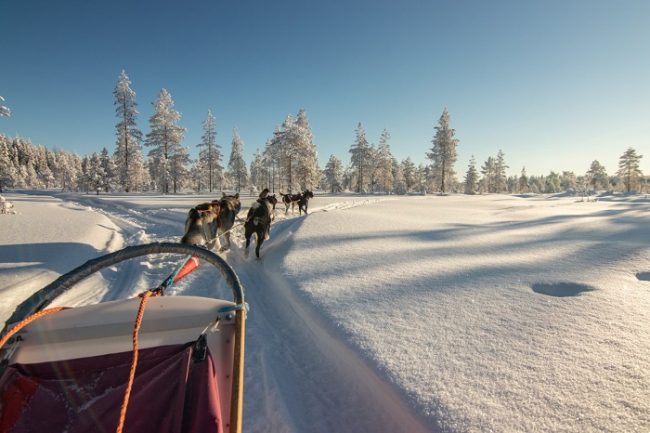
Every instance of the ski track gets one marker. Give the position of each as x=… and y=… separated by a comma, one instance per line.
x=300, y=375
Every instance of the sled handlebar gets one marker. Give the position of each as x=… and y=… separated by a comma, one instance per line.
x=46, y=295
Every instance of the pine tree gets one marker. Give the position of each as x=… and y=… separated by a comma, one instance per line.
x=211, y=153
x=399, y=184
x=257, y=171
x=179, y=171
x=128, y=152
x=334, y=174
x=165, y=139
x=471, y=177
x=568, y=181
x=628, y=169
x=360, y=151
x=409, y=170
x=95, y=173
x=523, y=181
x=7, y=169
x=552, y=183
x=597, y=176
x=4, y=111
x=443, y=153
x=237, y=165
x=307, y=170
x=488, y=171
x=500, y=172
x=384, y=164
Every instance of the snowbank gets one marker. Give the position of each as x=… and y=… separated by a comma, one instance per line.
x=44, y=239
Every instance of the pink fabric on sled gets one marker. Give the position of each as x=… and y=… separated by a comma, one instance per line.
x=171, y=394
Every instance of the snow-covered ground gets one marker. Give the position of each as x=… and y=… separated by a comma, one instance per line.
x=457, y=313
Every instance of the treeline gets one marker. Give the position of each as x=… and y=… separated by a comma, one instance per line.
x=288, y=162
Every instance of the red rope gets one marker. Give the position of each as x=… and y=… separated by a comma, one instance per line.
x=134, y=363
x=26, y=321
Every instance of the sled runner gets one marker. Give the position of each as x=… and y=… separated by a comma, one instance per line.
x=90, y=369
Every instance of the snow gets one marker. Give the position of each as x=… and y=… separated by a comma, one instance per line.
x=413, y=314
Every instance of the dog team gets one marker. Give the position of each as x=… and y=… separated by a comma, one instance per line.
x=209, y=222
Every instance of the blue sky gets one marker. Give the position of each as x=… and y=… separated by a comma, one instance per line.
x=555, y=84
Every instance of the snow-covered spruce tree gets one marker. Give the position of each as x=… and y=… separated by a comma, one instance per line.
x=523, y=181
x=258, y=175
x=500, y=177
x=270, y=160
x=96, y=175
x=236, y=164
x=409, y=170
x=128, y=152
x=109, y=171
x=333, y=174
x=443, y=153
x=568, y=181
x=471, y=177
x=165, y=139
x=399, y=185
x=7, y=169
x=45, y=177
x=307, y=171
x=422, y=178
x=488, y=170
x=359, y=160
x=384, y=164
x=211, y=152
x=552, y=183
x=597, y=176
x=628, y=169
x=4, y=111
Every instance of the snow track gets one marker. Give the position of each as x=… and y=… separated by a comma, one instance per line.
x=300, y=375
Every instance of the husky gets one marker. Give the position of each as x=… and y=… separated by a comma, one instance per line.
x=258, y=221
x=304, y=201
x=290, y=200
x=230, y=206
x=198, y=225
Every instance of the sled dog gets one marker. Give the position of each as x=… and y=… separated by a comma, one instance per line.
x=290, y=200
x=258, y=221
x=198, y=225
x=230, y=207
x=304, y=201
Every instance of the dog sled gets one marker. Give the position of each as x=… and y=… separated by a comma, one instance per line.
x=153, y=363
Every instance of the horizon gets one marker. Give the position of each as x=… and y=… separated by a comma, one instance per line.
x=569, y=80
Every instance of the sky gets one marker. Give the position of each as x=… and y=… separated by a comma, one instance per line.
x=554, y=84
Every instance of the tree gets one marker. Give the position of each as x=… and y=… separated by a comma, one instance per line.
x=4, y=111
x=237, y=165
x=628, y=169
x=165, y=139
x=500, y=173
x=384, y=163
x=128, y=154
x=360, y=151
x=443, y=153
x=409, y=170
x=211, y=153
x=471, y=177
x=523, y=181
x=334, y=174
x=258, y=177
x=552, y=183
x=597, y=176
x=95, y=173
x=307, y=170
x=7, y=168
x=488, y=170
